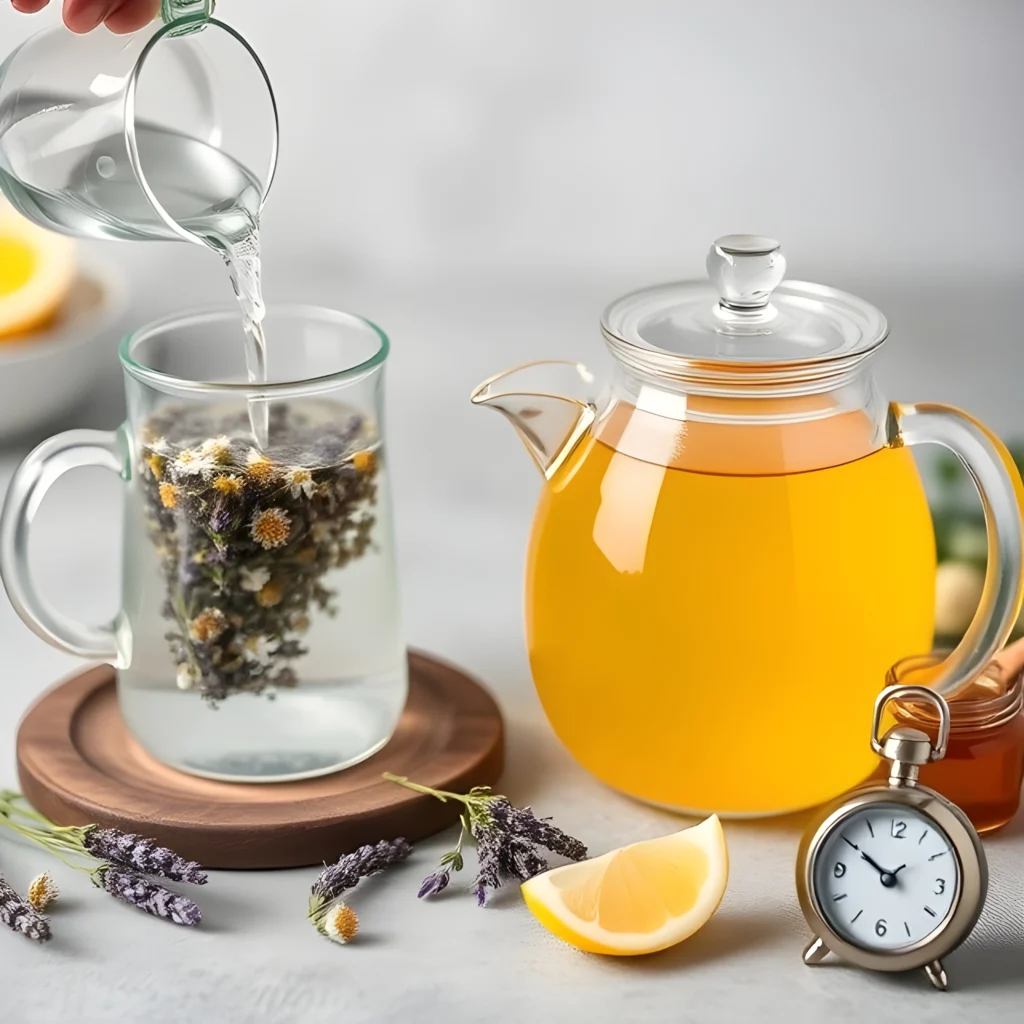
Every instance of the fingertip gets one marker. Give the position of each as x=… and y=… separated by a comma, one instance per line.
x=131, y=15
x=82, y=16
x=29, y=6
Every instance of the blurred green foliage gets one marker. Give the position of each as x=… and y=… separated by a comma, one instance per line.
x=956, y=509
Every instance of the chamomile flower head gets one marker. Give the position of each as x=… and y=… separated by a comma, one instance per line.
x=341, y=923
x=299, y=481
x=271, y=528
x=253, y=580
x=42, y=891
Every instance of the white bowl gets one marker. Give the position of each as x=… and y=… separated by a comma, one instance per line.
x=46, y=373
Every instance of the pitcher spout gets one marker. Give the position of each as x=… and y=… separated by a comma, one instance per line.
x=550, y=403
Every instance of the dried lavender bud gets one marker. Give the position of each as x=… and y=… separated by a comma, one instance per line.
x=19, y=916
x=131, y=851
x=145, y=894
x=522, y=821
x=350, y=867
x=435, y=883
x=507, y=840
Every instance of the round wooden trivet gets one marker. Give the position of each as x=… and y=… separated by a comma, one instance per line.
x=78, y=764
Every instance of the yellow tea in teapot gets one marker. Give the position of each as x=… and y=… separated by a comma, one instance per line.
x=689, y=632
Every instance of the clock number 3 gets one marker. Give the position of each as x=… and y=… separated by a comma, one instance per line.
x=898, y=828
x=941, y=883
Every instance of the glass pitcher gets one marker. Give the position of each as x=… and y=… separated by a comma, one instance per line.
x=260, y=634
x=168, y=133
x=733, y=544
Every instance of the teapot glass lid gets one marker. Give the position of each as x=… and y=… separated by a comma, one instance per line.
x=746, y=313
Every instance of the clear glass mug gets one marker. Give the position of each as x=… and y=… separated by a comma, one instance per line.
x=168, y=133
x=260, y=635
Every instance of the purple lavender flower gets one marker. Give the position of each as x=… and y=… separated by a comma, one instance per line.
x=523, y=822
x=221, y=518
x=19, y=916
x=350, y=867
x=507, y=840
x=435, y=883
x=145, y=894
x=139, y=854
x=327, y=914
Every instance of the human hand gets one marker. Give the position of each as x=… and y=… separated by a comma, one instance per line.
x=119, y=16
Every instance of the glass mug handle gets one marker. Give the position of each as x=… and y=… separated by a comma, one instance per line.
x=32, y=479
x=1002, y=495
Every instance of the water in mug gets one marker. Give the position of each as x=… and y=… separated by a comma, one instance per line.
x=351, y=680
x=266, y=587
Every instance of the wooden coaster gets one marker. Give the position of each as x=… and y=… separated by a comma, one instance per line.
x=78, y=764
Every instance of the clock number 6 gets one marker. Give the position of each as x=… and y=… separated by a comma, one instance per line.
x=880, y=928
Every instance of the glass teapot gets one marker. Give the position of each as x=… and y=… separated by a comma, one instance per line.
x=733, y=545
x=168, y=133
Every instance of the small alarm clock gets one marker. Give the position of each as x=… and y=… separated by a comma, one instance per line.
x=893, y=877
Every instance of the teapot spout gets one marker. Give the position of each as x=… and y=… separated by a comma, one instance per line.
x=550, y=403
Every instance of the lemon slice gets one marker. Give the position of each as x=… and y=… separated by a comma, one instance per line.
x=36, y=271
x=638, y=899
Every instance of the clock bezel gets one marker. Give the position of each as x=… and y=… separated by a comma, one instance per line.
x=967, y=902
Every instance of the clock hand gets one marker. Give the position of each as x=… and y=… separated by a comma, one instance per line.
x=887, y=878
x=899, y=869
x=878, y=867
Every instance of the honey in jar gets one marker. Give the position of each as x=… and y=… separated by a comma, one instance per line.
x=983, y=768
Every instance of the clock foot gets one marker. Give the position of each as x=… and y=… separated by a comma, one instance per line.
x=936, y=974
x=815, y=952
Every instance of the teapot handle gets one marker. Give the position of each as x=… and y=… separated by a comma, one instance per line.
x=1002, y=495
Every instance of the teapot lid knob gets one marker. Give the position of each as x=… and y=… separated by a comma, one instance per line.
x=745, y=270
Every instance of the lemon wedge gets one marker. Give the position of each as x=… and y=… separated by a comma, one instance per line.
x=37, y=268
x=638, y=899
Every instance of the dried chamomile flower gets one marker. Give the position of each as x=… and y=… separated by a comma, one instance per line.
x=364, y=461
x=208, y=625
x=190, y=463
x=299, y=481
x=229, y=485
x=42, y=891
x=271, y=527
x=341, y=923
x=253, y=579
x=169, y=495
x=188, y=676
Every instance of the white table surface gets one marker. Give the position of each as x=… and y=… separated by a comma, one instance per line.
x=464, y=493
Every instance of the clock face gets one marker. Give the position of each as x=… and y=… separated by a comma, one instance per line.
x=886, y=877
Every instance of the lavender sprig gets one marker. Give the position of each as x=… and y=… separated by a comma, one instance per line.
x=125, y=860
x=19, y=916
x=145, y=894
x=139, y=854
x=507, y=840
x=327, y=913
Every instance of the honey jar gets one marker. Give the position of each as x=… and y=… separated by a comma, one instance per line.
x=983, y=768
